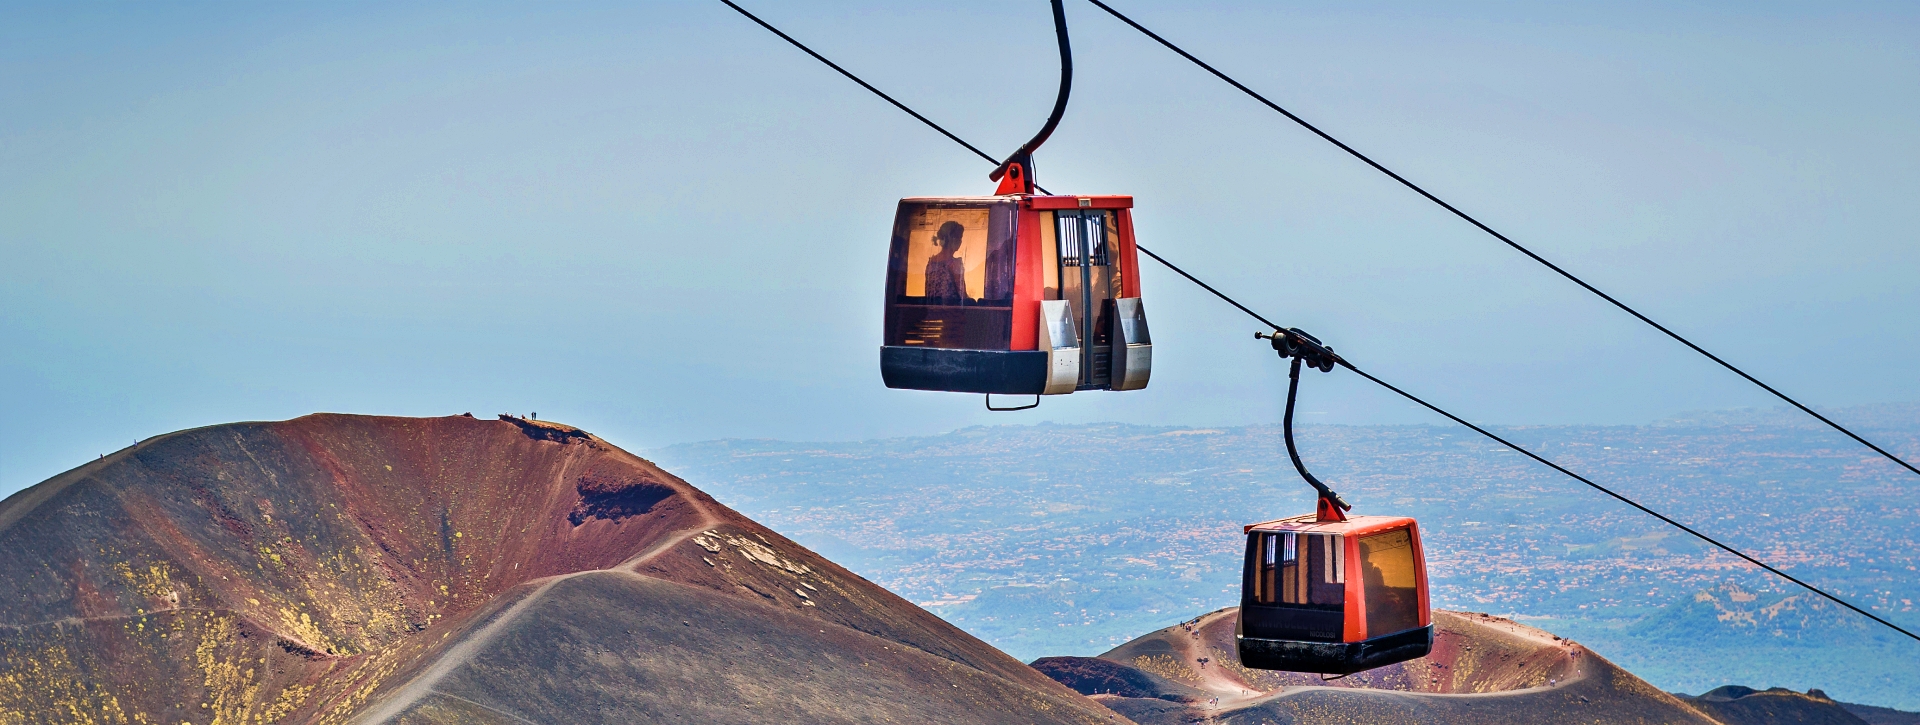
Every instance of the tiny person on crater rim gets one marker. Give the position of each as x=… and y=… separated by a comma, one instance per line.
x=946, y=274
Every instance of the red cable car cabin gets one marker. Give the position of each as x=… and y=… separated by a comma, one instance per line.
x=1015, y=294
x=1332, y=596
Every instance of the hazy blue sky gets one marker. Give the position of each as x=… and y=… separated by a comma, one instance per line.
x=657, y=221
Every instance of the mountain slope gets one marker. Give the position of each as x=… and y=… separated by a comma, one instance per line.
x=1738, y=705
x=1482, y=669
x=334, y=569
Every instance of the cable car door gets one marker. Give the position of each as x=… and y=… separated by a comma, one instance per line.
x=1087, y=283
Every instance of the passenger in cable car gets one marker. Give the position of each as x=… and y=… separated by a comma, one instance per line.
x=975, y=283
x=1024, y=292
x=1393, y=595
x=946, y=274
x=955, y=282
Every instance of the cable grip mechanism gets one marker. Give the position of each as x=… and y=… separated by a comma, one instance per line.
x=1299, y=347
x=1297, y=344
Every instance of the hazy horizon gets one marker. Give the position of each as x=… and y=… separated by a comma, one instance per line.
x=660, y=223
x=1069, y=540
x=1905, y=415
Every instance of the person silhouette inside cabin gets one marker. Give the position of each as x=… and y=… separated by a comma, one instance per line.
x=946, y=274
x=1397, y=605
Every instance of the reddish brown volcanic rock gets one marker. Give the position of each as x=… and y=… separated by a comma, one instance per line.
x=339, y=568
x=1482, y=669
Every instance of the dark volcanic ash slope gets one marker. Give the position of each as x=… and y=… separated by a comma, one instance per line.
x=1482, y=669
x=334, y=569
x=1879, y=715
x=1738, y=705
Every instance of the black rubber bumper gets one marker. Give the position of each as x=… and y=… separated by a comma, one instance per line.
x=1012, y=372
x=1335, y=658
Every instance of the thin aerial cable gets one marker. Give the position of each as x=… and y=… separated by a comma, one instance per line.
x=1630, y=502
x=1496, y=235
x=1364, y=374
x=863, y=84
x=1343, y=362
x=869, y=86
x=1205, y=286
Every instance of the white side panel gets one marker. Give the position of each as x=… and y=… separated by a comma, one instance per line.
x=1132, y=346
x=1139, y=368
x=1062, y=343
x=1063, y=371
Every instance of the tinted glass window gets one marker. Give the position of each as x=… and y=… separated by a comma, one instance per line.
x=1325, y=581
x=950, y=276
x=947, y=255
x=1112, y=224
x=1266, y=568
x=1049, y=256
x=1300, y=569
x=1393, y=597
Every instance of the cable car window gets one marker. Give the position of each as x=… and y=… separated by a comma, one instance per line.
x=1268, y=567
x=947, y=256
x=1301, y=570
x=1113, y=242
x=1291, y=572
x=1050, y=251
x=951, y=279
x=1392, y=596
x=1106, y=268
x=1326, y=580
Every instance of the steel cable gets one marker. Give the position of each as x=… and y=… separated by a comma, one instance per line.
x=1497, y=235
x=1348, y=365
x=1343, y=362
x=1628, y=501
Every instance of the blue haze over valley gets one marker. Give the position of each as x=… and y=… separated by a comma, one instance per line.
x=1071, y=539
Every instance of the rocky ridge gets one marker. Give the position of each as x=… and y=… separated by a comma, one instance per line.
x=1483, y=669
x=337, y=568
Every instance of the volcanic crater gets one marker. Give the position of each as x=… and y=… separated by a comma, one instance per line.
x=1483, y=669
x=341, y=568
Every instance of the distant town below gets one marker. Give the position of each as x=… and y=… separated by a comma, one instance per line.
x=1069, y=540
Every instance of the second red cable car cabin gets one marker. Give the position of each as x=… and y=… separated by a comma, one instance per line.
x=1329, y=593
x=1333, y=594
x=1015, y=294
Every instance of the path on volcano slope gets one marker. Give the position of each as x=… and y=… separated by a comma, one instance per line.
x=337, y=567
x=410, y=694
x=1214, y=677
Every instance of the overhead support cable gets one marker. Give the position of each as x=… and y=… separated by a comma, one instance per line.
x=863, y=84
x=1067, y=75
x=1343, y=363
x=1497, y=235
x=1630, y=502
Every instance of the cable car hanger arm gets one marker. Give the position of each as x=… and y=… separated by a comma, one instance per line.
x=1020, y=164
x=1299, y=346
